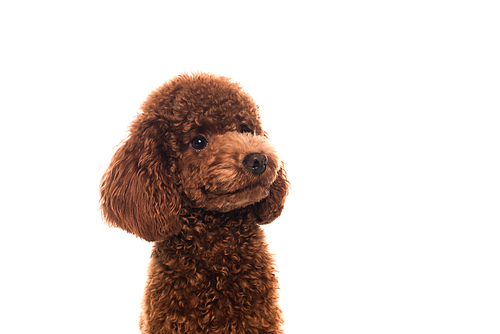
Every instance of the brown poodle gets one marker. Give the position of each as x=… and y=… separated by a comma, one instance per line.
x=197, y=175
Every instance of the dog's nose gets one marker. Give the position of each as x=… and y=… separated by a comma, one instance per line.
x=256, y=162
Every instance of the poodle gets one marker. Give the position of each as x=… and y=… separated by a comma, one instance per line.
x=197, y=176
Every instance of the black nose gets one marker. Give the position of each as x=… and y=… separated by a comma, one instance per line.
x=256, y=162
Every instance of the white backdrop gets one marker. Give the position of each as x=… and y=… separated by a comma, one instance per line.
x=386, y=114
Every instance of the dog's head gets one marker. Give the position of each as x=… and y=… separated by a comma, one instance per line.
x=199, y=144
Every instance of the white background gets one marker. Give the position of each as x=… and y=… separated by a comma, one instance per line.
x=386, y=114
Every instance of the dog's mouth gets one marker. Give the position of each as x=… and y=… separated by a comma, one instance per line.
x=243, y=196
x=244, y=189
x=229, y=200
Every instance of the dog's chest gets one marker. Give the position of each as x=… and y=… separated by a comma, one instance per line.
x=210, y=275
x=229, y=258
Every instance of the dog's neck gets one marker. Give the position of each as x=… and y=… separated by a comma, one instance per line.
x=197, y=223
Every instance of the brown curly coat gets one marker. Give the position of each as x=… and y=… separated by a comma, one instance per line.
x=197, y=175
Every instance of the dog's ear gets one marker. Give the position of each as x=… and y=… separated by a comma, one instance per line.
x=137, y=194
x=270, y=207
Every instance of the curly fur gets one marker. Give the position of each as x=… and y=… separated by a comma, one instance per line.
x=210, y=269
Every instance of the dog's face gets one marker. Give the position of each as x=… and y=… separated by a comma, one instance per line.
x=228, y=169
x=198, y=144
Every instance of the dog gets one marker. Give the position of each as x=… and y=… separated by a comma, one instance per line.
x=197, y=175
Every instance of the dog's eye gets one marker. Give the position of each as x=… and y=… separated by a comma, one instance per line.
x=199, y=142
x=245, y=129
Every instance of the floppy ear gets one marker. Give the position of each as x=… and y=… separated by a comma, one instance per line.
x=270, y=207
x=137, y=194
